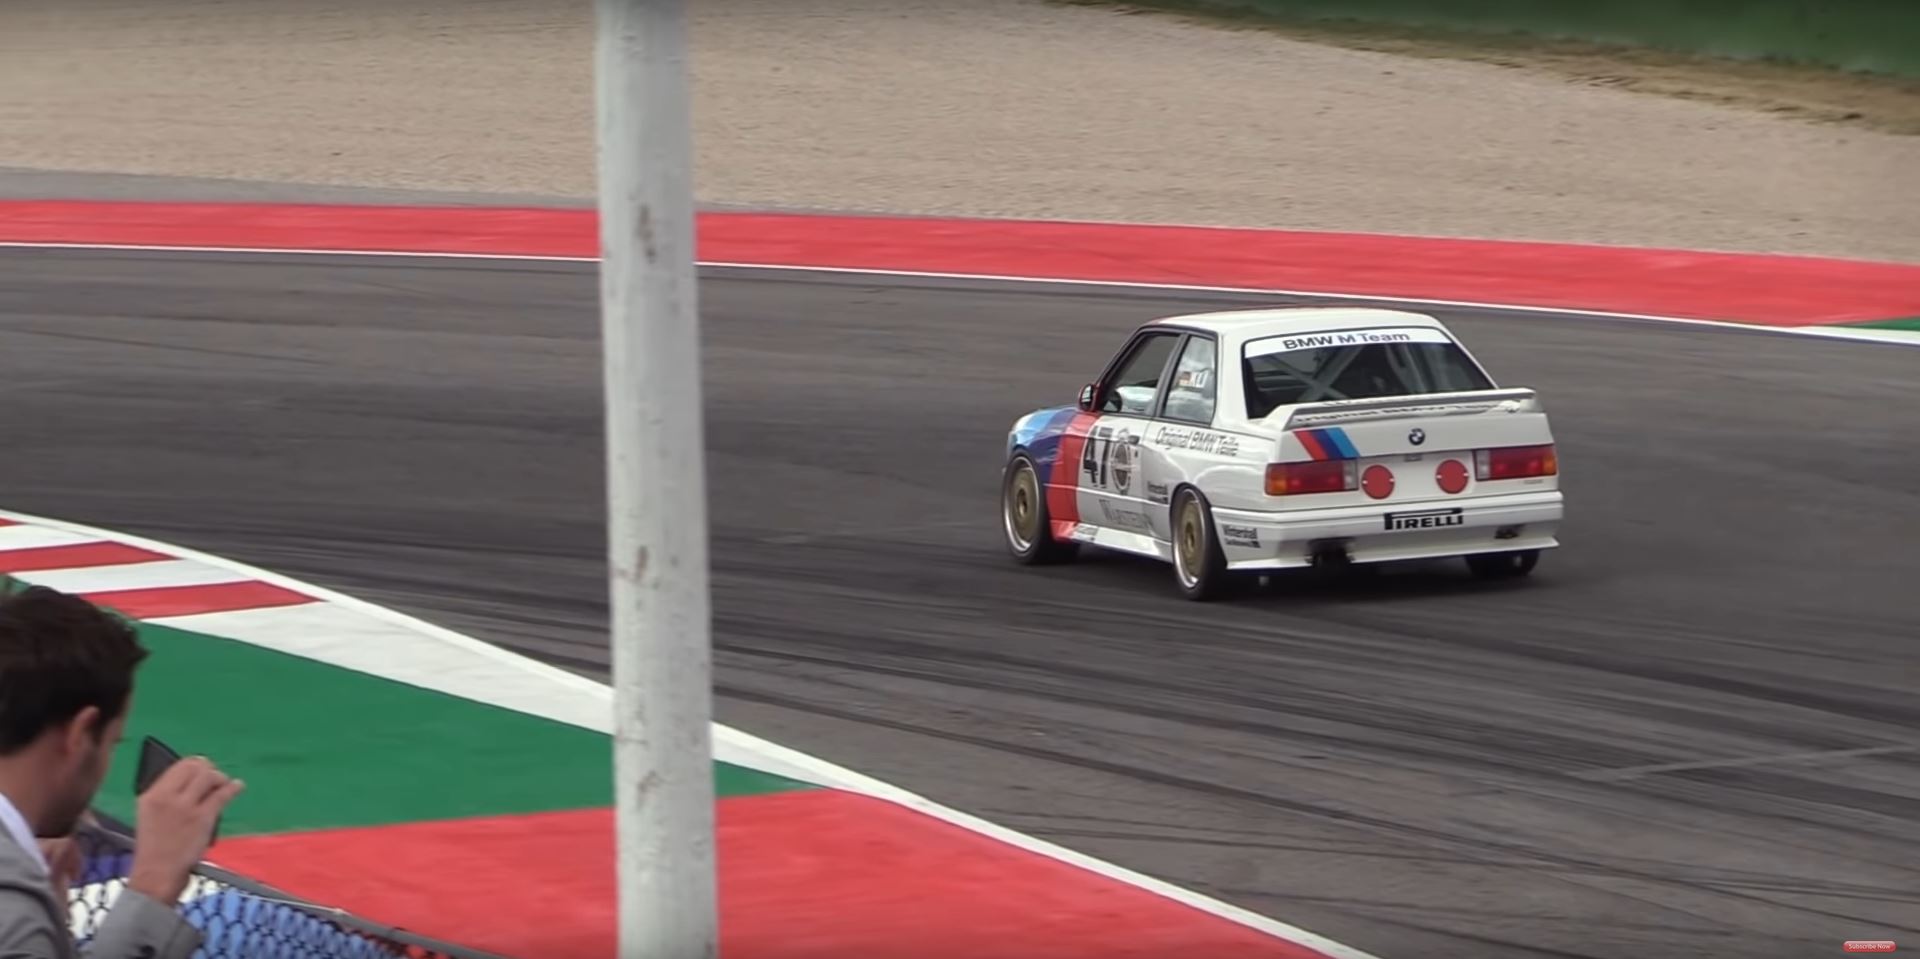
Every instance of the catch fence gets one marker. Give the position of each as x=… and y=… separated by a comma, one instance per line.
x=240, y=918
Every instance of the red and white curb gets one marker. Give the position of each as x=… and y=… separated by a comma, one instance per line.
x=172, y=586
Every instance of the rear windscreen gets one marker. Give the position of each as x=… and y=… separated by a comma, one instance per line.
x=1352, y=365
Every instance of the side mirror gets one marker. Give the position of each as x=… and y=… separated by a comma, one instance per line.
x=1086, y=397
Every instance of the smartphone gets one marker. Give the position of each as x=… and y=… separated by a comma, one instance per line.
x=155, y=758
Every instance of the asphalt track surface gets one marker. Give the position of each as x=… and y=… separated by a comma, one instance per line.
x=1652, y=748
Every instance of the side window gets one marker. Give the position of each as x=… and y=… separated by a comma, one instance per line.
x=1190, y=397
x=1137, y=380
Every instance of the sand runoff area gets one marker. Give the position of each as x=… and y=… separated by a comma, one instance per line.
x=984, y=108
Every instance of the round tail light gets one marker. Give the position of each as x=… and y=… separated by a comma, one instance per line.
x=1377, y=481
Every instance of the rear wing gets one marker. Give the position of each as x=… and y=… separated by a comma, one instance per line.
x=1464, y=403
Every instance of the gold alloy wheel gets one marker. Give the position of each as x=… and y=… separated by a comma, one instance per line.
x=1189, y=546
x=1022, y=507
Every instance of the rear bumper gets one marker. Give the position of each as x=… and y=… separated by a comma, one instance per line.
x=1280, y=540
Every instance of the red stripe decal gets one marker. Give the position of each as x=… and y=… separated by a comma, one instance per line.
x=1063, y=481
x=192, y=600
x=1315, y=448
x=9, y=522
x=74, y=556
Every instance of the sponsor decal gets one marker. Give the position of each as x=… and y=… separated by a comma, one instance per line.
x=1157, y=492
x=1319, y=341
x=1239, y=535
x=1121, y=459
x=1198, y=441
x=1426, y=519
x=1120, y=518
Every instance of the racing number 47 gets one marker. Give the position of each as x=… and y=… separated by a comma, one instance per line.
x=1093, y=456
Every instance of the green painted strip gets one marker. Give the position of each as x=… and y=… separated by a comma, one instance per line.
x=1898, y=323
x=1881, y=36
x=324, y=747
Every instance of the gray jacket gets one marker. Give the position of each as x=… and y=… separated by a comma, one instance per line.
x=33, y=923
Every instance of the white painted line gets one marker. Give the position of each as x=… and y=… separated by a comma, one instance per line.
x=400, y=650
x=377, y=646
x=158, y=574
x=40, y=537
x=1829, y=332
x=1875, y=334
x=1264, y=291
x=567, y=689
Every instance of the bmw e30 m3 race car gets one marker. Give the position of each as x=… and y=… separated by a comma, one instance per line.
x=1232, y=443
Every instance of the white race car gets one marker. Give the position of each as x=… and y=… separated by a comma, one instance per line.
x=1238, y=442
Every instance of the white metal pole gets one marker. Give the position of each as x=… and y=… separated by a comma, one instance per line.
x=656, y=495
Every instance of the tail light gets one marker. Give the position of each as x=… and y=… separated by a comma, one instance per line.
x=1515, y=462
x=1316, y=476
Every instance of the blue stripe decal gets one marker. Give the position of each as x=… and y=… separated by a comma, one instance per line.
x=1337, y=437
x=1040, y=433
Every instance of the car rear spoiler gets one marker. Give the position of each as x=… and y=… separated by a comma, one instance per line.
x=1465, y=403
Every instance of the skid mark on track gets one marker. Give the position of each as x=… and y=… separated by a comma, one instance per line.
x=864, y=530
x=1634, y=772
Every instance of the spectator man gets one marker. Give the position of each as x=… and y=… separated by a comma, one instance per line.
x=66, y=685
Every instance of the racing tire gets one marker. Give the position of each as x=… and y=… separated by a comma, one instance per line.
x=1024, y=519
x=1511, y=565
x=1199, y=565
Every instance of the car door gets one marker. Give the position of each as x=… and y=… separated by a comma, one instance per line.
x=1179, y=448
x=1112, y=489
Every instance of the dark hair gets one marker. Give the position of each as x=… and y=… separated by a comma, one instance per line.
x=60, y=654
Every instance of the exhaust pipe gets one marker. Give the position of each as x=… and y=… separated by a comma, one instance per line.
x=1329, y=554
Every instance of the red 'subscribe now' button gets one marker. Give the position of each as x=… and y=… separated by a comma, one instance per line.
x=1868, y=945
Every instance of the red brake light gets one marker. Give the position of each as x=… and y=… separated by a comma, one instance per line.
x=1515, y=462
x=1316, y=476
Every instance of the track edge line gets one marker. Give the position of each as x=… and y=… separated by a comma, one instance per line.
x=1834, y=331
